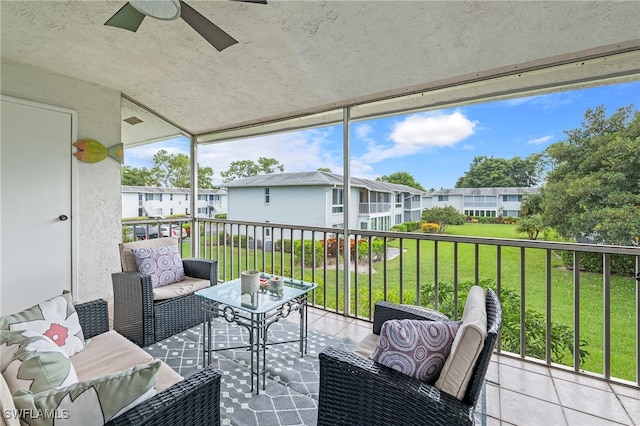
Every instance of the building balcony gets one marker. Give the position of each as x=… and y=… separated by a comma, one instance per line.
x=370, y=208
x=568, y=353
x=525, y=391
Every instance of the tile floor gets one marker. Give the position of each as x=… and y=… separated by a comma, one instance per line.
x=520, y=392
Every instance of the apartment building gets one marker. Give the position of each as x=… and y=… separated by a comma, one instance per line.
x=151, y=201
x=317, y=199
x=481, y=202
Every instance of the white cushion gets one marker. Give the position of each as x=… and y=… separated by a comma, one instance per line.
x=467, y=345
x=55, y=318
x=8, y=409
x=366, y=345
x=186, y=286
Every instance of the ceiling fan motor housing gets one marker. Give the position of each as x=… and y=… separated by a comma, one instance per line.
x=167, y=10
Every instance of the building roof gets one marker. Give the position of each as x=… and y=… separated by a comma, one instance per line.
x=488, y=191
x=163, y=190
x=317, y=179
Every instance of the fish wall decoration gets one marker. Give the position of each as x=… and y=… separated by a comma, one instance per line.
x=92, y=151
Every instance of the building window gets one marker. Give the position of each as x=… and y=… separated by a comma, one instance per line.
x=140, y=212
x=399, y=198
x=443, y=198
x=337, y=204
x=267, y=232
x=267, y=196
x=170, y=197
x=364, y=226
x=186, y=210
x=398, y=219
x=186, y=197
x=171, y=211
x=511, y=198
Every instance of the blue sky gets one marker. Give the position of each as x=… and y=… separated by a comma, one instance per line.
x=436, y=147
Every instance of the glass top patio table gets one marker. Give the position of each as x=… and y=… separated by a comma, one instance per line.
x=261, y=302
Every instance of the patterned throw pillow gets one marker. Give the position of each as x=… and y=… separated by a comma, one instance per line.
x=55, y=318
x=33, y=362
x=90, y=402
x=163, y=264
x=414, y=347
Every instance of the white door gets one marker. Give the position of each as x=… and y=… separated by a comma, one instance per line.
x=35, y=173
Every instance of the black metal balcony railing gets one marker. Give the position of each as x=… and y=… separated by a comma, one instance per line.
x=555, y=312
x=374, y=207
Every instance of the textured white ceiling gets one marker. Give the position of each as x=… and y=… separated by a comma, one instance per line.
x=299, y=57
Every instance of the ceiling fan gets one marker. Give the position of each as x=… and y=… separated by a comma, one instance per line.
x=130, y=16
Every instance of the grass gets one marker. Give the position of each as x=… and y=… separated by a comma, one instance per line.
x=411, y=271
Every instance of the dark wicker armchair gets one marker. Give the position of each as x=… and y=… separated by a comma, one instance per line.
x=193, y=401
x=144, y=320
x=357, y=391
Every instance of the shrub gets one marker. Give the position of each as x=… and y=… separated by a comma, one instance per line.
x=400, y=228
x=592, y=262
x=286, y=243
x=309, y=259
x=412, y=226
x=430, y=228
x=535, y=322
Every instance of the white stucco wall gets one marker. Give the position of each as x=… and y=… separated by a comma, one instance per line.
x=98, y=185
x=304, y=205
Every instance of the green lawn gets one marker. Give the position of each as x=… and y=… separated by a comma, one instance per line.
x=330, y=293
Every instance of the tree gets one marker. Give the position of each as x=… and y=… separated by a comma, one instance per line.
x=401, y=178
x=531, y=204
x=169, y=170
x=443, y=216
x=490, y=172
x=324, y=169
x=245, y=168
x=531, y=225
x=137, y=176
x=594, y=186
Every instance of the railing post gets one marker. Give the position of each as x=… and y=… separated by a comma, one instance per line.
x=346, y=197
x=195, y=231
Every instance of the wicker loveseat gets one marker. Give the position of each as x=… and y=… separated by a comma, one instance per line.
x=109, y=380
x=146, y=315
x=355, y=390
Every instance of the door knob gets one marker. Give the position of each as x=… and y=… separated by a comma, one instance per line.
x=63, y=217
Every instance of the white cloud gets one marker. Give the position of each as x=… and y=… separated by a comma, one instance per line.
x=419, y=132
x=363, y=131
x=540, y=141
x=468, y=147
x=298, y=151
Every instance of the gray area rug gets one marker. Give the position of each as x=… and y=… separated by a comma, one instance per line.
x=292, y=382
x=291, y=397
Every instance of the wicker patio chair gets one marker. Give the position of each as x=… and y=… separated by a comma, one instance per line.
x=141, y=317
x=358, y=391
x=193, y=401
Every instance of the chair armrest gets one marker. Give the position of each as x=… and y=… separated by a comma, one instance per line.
x=93, y=317
x=201, y=268
x=133, y=307
x=193, y=401
x=386, y=310
x=359, y=391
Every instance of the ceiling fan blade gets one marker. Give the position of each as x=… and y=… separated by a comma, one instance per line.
x=127, y=18
x=207, y=29
x=252, y=1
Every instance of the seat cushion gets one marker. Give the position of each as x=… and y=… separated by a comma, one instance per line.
x=128, y=260
x=467, y=345
x=8, y=410
x=186, y=286
x=55, y=318
x=91, y=402
x=416, y=348
x=110, y=352
x=366, y=345
x=34, y=362
x=162, y=264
